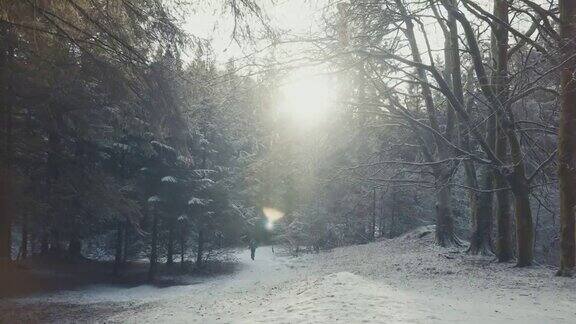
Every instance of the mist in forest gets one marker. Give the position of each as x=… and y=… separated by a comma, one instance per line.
x=273, y=161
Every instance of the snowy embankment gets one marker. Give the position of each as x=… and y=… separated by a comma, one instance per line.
x=411, y=280
x=402, y=280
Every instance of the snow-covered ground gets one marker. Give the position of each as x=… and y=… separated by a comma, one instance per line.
x=403, y=280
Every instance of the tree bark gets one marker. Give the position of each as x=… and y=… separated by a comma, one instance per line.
x=500, y=83
x=5, y=160
x=515, y=173
x=373, y=225
x=480, y=203
x=126, y=242
x=170, y=245
x=23, y=254
x=445, y=235
x=504, y=244
x=481, y=239
x=200, y=248
x=182, y=245
x=118, y=248
x=56, y=244
x=567, y=139
x=524, y=227
x=45, y=244
x=74, y=248
x=522, y=212
x=153, y=248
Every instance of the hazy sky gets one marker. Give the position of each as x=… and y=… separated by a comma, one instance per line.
x=212, y=22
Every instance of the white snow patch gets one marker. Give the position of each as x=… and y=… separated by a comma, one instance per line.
x=169, y=179
x=154, y=199
x=195, y=201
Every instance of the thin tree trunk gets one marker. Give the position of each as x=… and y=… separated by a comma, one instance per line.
x=56, y=244
x=200, y=248
x=182, y=245
x=567, y=140
x=23, y=254
x=170, y=245
x=118, y=248
x=382, y=218
x=45, y=244
x=373, y=225
x=153, y=248
x=53, y=170
x=74, y=248
x=393, y=227
x=126, y=242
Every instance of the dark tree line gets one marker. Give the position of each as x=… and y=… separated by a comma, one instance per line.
x=108, y=133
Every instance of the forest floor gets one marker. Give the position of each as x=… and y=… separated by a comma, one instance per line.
x=403, y=280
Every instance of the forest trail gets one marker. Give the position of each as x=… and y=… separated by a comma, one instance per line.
x=373, y=283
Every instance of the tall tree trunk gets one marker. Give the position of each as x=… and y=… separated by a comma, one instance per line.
x=182, y=245
x=126, y=242
x=480, y=203
x=170, y=244
x=53, y=170
x=5, y=233
x=445, y=235
x=23, y=254
x=567, y=139
x=480, y=239
x=5, y=189
x=393, y=224
x=500, y=83
x=45, y=243
x=200, y=248
x=5, y=159
x=74, y=248
x=118, y=248
x=524, y=226
x=56, y=244
x=504, y=245
x=373, y=225
x=381, y=219
x=522, y=213
x=154, y=247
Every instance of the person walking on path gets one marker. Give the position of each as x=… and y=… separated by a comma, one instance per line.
x=252, y=249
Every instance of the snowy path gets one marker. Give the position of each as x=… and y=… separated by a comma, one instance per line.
x=358, y=284
x=275, y=289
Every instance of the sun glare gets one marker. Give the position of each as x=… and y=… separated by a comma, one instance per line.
x=306, y=97
x=272, y=215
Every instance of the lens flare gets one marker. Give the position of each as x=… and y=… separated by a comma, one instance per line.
x=272, y=215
